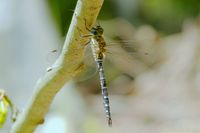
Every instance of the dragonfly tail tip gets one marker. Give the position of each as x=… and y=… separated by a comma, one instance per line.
x=109, y=122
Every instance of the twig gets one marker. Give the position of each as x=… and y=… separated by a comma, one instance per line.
x=62, y=71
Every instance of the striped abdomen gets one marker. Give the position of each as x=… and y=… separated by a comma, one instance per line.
x=104, y=90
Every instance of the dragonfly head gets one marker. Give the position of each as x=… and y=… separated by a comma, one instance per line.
x=97, y=30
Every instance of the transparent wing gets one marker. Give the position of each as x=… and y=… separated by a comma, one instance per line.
x=90, y=68
x=126, y=55
x=143, y=48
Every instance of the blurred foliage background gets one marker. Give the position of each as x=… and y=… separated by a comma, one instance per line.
x=166, y=16
x=152, y=72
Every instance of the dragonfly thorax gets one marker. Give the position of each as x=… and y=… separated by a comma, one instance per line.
x=98, y=51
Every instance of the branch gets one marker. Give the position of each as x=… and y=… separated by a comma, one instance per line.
x=62, y=71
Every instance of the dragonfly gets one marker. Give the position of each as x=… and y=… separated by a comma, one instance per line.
x=98, y=46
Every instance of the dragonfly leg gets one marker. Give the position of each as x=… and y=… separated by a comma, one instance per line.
x=83, y=36
x=86, y=26
x=87, y=43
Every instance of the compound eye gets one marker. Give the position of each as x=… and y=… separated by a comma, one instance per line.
x=94, y=32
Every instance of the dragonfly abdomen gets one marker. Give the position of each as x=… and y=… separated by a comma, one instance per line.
x=104, y=90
